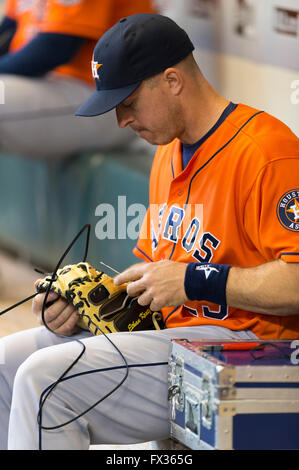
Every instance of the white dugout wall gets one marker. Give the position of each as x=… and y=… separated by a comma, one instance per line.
x=248, y=49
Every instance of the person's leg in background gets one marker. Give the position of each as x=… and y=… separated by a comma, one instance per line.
x=37, y=119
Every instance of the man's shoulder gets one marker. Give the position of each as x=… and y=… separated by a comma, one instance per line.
x=264, y=132
x=248, y=120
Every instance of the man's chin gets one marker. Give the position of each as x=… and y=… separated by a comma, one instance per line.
x=145, y=135
x=152, y=139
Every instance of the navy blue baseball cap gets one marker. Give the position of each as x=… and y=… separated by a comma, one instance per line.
x=134, y=49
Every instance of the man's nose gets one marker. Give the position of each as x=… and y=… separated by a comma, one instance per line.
x=124, y=117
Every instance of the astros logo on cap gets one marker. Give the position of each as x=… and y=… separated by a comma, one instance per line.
x=288, y=210
x=94, y=68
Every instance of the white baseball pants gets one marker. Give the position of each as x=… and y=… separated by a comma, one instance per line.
x=32, y=360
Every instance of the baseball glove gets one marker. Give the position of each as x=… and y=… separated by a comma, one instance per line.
x=102, y=307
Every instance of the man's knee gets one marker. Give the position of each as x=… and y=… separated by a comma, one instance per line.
x=34, y=372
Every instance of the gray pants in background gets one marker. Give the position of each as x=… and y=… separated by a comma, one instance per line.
x=37, y=118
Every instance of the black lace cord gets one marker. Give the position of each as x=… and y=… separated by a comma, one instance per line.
x=44, y=306
x=49, y=390
x=53, y=386
x=18, y=303
x=53, y=278
x=54, y=274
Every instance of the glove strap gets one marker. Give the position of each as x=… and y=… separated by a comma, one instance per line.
x=157, y=316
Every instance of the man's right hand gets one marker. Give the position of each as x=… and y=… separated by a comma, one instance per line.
x=61, y=317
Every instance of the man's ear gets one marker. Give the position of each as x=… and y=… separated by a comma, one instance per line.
x=174, y=80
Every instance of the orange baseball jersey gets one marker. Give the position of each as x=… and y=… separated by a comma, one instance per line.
x=236, y=203
x=85, y=18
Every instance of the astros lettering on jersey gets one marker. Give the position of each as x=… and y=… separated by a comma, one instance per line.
x=247, y=187
x=89, y=19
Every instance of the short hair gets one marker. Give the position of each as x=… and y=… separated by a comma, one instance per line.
x=189, y=64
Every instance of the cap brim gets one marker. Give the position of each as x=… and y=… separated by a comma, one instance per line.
x=102, y=101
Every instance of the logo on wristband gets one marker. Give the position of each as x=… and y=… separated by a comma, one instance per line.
x=288, y=210
x=207, y=269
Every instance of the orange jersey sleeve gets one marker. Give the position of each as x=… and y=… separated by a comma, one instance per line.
x=272, y=211
x=89, y=19
x=85, y=18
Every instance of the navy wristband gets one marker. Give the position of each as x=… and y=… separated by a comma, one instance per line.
x=207, y=282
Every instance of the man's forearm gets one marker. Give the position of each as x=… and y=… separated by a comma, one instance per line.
x=42, y=54
x=271, y=288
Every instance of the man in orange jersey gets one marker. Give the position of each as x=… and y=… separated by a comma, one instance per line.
x=220, y=245
x=45, y=53
x=236, y=263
